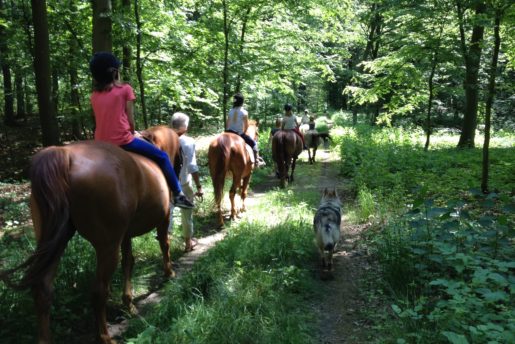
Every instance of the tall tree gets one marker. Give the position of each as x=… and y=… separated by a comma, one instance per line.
x=472, y=58
x=6, y=71
x=102, y=25
x=139, y=63
x=49, y=127
x=490, y=98
x=126, y=59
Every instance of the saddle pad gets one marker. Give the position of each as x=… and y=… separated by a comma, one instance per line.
x=251, y=153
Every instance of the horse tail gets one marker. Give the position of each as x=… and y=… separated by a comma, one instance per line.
x=219, y=157
x=50, y=176
x=279, y=153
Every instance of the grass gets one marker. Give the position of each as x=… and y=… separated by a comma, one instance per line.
x=252, y=287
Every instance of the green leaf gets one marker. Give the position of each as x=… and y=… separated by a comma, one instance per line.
x=498, y=278
x=455, y=338
x=440, y=281
x=496, y=296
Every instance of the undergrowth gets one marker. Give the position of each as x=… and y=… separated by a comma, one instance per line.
x=445, y=250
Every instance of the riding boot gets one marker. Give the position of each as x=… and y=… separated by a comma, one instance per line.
x=258, y=161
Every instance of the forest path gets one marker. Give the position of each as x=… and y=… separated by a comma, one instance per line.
x=340, y=302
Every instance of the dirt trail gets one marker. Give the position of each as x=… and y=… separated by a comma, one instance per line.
x=340, y=302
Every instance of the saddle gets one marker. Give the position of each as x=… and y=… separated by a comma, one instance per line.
x=247, y=147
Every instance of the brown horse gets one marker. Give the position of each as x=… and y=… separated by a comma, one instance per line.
x=286, y=147
x=228, y=153
x=312, y=142
x=108, y=196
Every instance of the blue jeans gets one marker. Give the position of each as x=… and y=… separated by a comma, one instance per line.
x=150, y=151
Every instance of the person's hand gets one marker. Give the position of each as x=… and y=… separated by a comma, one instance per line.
x=137, y=134
x=199, y=193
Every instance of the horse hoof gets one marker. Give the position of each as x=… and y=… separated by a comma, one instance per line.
x=169, y=273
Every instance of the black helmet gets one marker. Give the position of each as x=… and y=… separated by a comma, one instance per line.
x=238, y=99
x=287, y=107
x=102, y=65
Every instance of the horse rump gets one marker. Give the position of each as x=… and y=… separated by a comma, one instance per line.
x=49, y=175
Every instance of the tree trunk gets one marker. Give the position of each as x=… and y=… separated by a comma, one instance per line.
x=20, y=95
x=490, y=100
x=471, y=85
x=225, y=96
x=6, y=74
x=242, y=44
x=102, y=26
x=8, y=93
x=139, y=64
x=49, y=127
x=430, y=103
x=76, y=109
x=126, y=58
x=434, y=63
x=55, y=90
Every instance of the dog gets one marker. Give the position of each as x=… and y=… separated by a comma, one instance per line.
x=327, y=226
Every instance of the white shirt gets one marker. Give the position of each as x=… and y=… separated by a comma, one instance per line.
x=189, y=159
x=235, y=119
x=290, y=122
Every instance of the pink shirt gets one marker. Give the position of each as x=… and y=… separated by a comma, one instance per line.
x=112, y=123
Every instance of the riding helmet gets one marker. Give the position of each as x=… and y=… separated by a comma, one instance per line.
x=102, y=65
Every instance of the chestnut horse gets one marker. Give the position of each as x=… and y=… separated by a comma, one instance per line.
x=286, y=147
x=312, y=142
x=228, y=153
x=108, y=196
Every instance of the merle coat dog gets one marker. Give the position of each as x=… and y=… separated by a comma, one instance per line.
x=327, y=226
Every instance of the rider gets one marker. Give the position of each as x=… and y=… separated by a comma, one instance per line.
x=290, y=122
x=238, y=122
x=312, y=124
x=113, y=108
x=305, y=118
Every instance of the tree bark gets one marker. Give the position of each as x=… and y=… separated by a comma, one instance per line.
x=490, y=100
x=6, y=74
x=471, y=85
x=225, y=96
x=55, y=90
x=49, y=127
x=430, y=100
x=242, y=45
x=20, y=95
x=126, y=58
x=8, y=93
x=76, y=108
x=139, y=64
x=102, y=26
x=434, y=63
